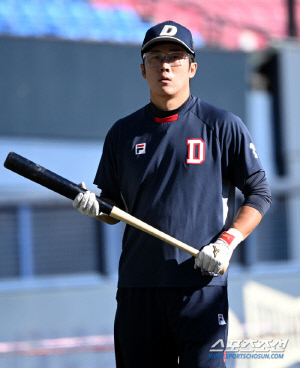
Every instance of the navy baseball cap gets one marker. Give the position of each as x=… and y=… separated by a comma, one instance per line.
x=169, y=31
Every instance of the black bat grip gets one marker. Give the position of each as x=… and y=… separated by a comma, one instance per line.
x=34, y=172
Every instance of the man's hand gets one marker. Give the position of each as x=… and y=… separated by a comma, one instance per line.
x=87, y=203
x=215, y=256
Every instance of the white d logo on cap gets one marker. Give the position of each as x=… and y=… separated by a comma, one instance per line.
x=168, y=31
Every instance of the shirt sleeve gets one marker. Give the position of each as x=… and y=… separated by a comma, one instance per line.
x=239, y=156
x=107, y=174
x=257, y=192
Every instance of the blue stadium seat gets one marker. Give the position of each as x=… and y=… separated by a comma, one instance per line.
x=199, y=41
x=103, y=24
x=21, y=21
x=54, y=16
x=6, y=11
x=129, y=23
x=79, y=17
x=71, y=19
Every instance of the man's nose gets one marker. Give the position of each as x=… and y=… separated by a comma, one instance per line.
x=165, y=65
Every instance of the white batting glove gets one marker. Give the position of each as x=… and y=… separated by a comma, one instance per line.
x=215, y=256
x=87, y=203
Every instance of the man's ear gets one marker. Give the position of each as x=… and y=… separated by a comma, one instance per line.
x=193, y=69
x=143, y=71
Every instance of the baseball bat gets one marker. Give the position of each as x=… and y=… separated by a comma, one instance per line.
x=38, y=174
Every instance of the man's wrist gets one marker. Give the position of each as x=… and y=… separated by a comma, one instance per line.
x=232, y=238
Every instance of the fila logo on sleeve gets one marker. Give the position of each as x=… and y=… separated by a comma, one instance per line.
x=221, y=319
x=196, y=151
x=140, y=148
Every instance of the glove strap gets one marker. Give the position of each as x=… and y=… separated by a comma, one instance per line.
x=232, y=237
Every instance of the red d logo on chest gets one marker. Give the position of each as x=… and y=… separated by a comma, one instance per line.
x=196, y=151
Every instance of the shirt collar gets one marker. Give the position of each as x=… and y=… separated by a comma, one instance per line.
x=166, y=116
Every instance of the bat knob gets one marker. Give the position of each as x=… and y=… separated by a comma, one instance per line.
x=224, y=269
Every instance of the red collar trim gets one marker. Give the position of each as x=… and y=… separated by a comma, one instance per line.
x=168, y=119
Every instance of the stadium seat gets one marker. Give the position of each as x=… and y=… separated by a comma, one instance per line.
x=126, y=21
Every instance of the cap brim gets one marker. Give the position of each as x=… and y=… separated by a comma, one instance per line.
x=166, y=38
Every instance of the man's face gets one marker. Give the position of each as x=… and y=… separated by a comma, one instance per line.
x=165, y=80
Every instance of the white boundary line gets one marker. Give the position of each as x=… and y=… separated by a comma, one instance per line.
x=59, y=346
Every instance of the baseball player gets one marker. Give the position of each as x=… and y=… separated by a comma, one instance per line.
x=175, y=164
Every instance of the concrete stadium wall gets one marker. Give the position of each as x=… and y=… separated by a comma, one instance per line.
x=63, y=89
